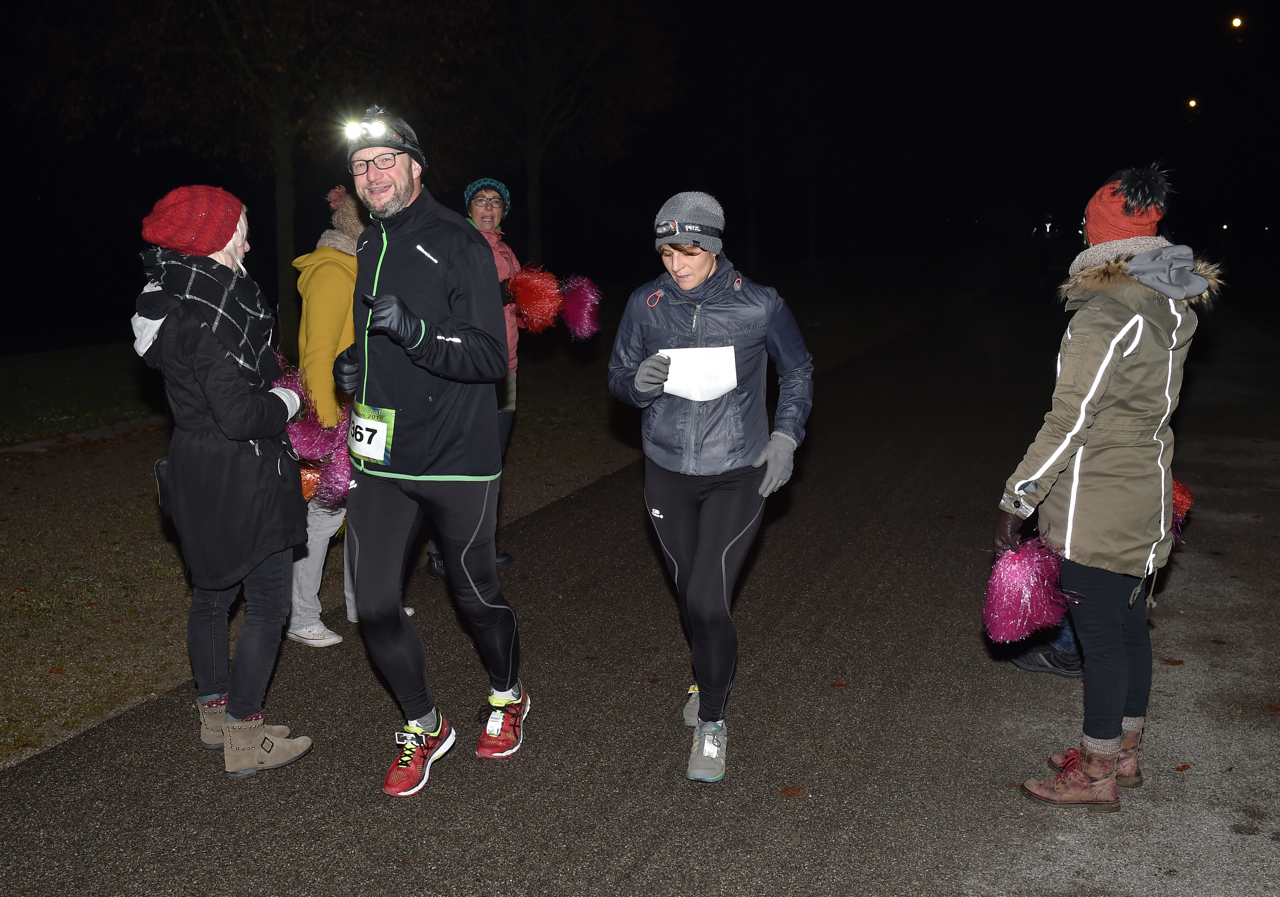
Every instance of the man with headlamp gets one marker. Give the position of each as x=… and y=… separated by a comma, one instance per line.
x=430, y=343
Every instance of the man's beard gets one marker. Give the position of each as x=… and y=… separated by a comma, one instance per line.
x=400, y=197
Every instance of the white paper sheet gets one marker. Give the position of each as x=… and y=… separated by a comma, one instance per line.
x=701, y=374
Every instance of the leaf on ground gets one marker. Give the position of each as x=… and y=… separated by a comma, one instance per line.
x=792, y=791
x=19, y=591
x=1219, y=641
x=1184, y=767
x=58, y=670
x=654, y=680
x=1171, y=662
x=1274, y=708
x=839, y=683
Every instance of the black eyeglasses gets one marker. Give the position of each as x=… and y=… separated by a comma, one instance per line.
x=382, y=163
x=489, y=202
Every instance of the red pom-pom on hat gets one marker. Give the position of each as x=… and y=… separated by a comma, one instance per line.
x=1105, y=217
x=196, y=220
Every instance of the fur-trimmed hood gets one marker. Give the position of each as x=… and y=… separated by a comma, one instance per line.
x=1114, y=279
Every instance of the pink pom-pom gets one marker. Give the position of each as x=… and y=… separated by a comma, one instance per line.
x=537, y=297
x=1023, y=594
x=336, y=196
x=335, y=473
x=581, y=307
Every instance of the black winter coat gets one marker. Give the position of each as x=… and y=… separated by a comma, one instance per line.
x=234, y=489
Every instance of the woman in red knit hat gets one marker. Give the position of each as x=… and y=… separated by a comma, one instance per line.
x=233, y=488
x=1098, y=471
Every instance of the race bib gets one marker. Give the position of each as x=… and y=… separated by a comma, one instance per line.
x=369, y=435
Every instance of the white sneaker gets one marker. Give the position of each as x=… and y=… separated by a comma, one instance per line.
x=408, y=611
x=317, y=636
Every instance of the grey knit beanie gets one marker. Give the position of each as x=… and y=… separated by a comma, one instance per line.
x=691, y=219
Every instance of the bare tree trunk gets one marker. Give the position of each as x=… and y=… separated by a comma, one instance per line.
x=289, y=311
x=533, y=168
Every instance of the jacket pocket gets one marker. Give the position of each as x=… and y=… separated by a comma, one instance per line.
x=1070, y=360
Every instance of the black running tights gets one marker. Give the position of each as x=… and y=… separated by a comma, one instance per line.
x=383, y=516
x=706, y=526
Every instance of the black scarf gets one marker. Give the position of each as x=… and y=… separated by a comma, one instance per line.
x=233, y=308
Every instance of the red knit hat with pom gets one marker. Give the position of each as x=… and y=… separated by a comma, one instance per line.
x=1130, y=204
x=195, y=220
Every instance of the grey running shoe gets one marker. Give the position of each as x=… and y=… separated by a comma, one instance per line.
x=691, y=707
x=706, y=759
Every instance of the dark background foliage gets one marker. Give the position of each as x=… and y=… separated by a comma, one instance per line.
x=836, y=136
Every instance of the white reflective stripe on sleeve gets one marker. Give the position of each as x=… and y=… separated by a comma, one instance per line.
x=427, y=254
x=1168, y=409
x=449, y=339
x=1136, y=320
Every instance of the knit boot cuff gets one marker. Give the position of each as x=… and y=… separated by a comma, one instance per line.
x=1101, y=745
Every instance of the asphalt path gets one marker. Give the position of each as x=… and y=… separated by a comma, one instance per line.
x=875, y=737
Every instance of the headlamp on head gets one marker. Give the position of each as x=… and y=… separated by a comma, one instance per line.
x=356, y=130
x=671, y=228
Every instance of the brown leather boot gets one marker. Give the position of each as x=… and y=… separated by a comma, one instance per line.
x=1086, y=780
x=211, y=719
x=1128, y=770
x=248, y=748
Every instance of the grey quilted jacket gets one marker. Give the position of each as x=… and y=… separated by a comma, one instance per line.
x=716, y=436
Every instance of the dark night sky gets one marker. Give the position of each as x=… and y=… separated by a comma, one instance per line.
x=826, y=132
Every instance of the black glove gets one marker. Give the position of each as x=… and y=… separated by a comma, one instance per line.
x=1008, y=535
x=652, y=373
x=389, y=315
x=346, y=370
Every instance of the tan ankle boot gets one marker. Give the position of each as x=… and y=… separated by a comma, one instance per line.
x=1085, y=780
x=247, y=748
x=211, y=719
x=1128, y=770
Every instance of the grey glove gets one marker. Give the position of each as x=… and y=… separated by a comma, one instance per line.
x=290, y=399
x=780, y=456
x=346, y=370
x=652, y=373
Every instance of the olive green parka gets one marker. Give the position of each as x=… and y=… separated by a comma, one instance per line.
x=1099, y=469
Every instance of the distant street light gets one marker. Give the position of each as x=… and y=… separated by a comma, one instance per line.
x=1236, y=22
x=1192, y=104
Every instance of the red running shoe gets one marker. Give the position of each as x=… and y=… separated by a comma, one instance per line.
x=410, y=771
x=504, y=727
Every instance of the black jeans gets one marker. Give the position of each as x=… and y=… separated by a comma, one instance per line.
x=1117, y=646
x=267, y=596
x=383, y=516
x=706, y=526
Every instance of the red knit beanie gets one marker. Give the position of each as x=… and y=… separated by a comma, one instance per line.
x=1105, y=218
x=196, y=220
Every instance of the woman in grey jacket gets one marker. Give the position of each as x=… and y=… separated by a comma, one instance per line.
x=692, y=352
x=1099, y=469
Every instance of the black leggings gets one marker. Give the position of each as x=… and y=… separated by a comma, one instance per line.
x=267, y=591
x=1116, y=643
x=383, y=516
x=706, y=526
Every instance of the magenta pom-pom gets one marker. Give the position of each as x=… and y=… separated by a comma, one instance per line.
x=537, y=297
x=1023, y=594
x=312, y=441
x=335, y=473
x=581, y=307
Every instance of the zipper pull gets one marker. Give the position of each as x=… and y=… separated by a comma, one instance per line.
x=696, y=309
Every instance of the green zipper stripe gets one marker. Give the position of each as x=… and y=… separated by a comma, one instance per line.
x=377, y=272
